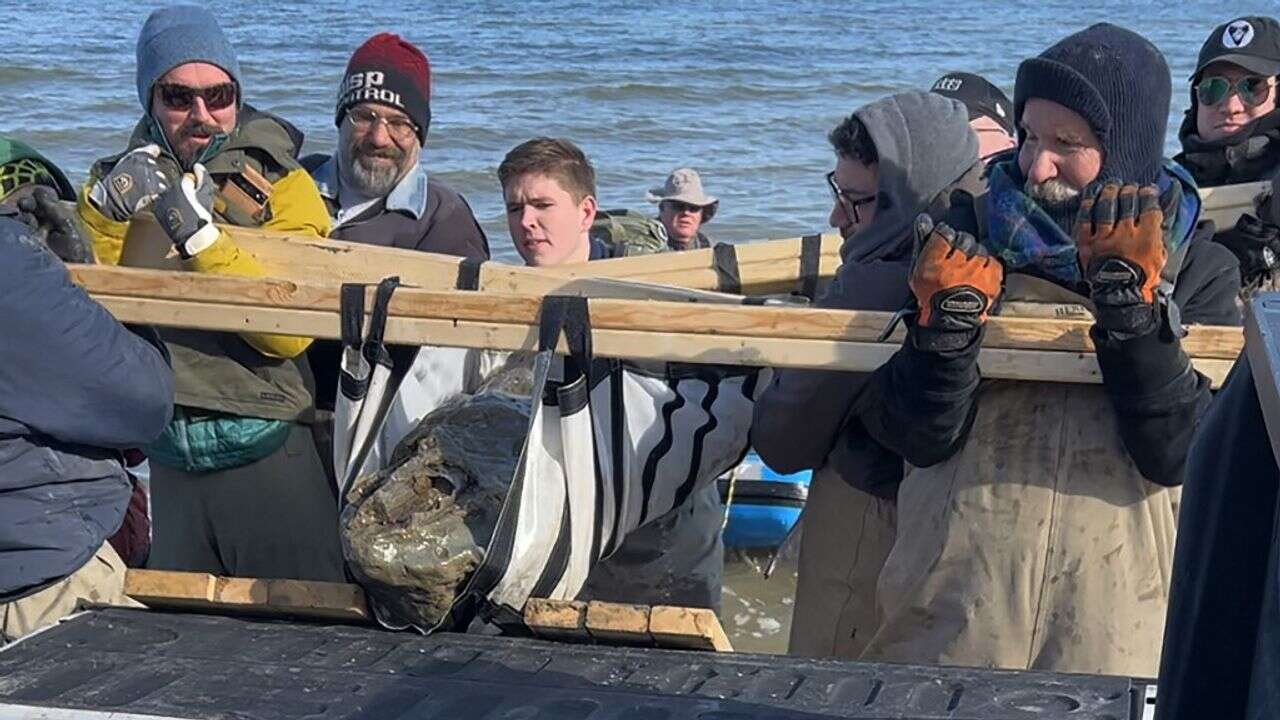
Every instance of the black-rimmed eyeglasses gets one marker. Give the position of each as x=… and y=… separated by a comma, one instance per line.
x=849, y=200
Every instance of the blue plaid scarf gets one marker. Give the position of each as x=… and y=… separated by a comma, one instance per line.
x=1027, y=239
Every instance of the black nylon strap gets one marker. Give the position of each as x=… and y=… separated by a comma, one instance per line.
x=726, y=267
x=810, y=255
x=378, y=315
x=469, y=274
x=351, y=306
x=567, y=315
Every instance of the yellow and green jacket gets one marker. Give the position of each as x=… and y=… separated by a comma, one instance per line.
x=259, y=378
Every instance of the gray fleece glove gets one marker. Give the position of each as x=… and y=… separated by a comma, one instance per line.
x=134, y=182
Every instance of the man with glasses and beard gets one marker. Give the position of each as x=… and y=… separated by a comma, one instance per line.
x=377, y=193
x=237, y=484
x=1035, y=520
x=1231, y=134
x=894, y=159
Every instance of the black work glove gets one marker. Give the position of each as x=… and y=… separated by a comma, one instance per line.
x=1255, y=243
x=56, y=224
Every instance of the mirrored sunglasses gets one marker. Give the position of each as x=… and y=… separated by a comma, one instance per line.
x=1253, y=90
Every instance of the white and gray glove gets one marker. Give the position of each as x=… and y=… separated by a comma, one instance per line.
x=185, y=211
x=133, y=184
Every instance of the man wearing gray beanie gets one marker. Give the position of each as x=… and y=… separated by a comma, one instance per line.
x=1035, y=520
x=894, y=158
x=238, y=487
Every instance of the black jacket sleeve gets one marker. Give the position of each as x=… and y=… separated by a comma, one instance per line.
x=802, y=415
x=921, y=404
x=1157, y=395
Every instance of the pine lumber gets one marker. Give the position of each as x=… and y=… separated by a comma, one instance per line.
x=687, y=628
x=766, y=266
x=618, y=623
x=560, y=620
x=309, y=259
x=203, y=592
x=624, y=624
x=463, y=310
x=1015, y=348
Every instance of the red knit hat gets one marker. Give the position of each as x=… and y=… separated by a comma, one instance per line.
x=390, y=71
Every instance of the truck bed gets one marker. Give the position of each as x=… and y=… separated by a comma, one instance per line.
x=116, y=664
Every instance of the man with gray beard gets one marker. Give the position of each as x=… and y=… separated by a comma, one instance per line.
x=374, y=187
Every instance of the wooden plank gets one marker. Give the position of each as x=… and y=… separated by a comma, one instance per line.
x=995, y=363
x=306, y=259
x=766, y=266
x=618, y=623
x=207, y=593
x=728, y=320
x=687, y=628
x=561, y=620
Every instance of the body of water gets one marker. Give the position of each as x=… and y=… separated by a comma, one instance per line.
x=744, y=92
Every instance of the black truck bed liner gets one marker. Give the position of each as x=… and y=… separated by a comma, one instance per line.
x=118, y=663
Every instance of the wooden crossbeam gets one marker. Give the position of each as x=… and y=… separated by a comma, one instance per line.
x=1015, y=348
x=766, y=266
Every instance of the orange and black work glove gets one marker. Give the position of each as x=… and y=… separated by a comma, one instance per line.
x=955, y=282
x=1120, y=242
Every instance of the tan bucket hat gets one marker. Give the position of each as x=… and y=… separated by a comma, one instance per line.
x=685, y=186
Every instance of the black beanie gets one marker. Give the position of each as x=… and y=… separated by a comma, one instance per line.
x=1117, y=81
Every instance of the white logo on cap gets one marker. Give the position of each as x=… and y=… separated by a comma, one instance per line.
x=948, y=84
x=1000, y=110
x=1237, y=35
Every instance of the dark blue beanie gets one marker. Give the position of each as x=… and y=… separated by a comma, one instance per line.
x=177, y=35
x=1117, y=81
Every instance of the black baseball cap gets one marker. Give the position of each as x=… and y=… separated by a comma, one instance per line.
x=1251, y=42
x=979, y=95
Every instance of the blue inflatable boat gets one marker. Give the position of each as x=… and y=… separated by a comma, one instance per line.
x=763, y=504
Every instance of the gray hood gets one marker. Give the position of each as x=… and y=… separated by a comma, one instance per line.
x=925, y=144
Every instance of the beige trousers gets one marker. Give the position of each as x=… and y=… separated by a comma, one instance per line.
x=1037, y=546
x=846, y=536
x=100, y=581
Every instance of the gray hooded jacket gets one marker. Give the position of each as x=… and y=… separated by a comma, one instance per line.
x=925, y=147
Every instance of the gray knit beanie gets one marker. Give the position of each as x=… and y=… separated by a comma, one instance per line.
x=181, y=34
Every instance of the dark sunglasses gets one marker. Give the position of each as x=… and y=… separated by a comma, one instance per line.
x=847, y=199
x=683, y=207
x=1253, y=90
x=181, y=97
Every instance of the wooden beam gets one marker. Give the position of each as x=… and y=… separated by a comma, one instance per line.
x=625, y=624
x=561, y=620
x=765, y=266
x=202, y=592
x=307, y=259
x=687, y=628
x=655, y=317
x=995, y=363
x=618, y=623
